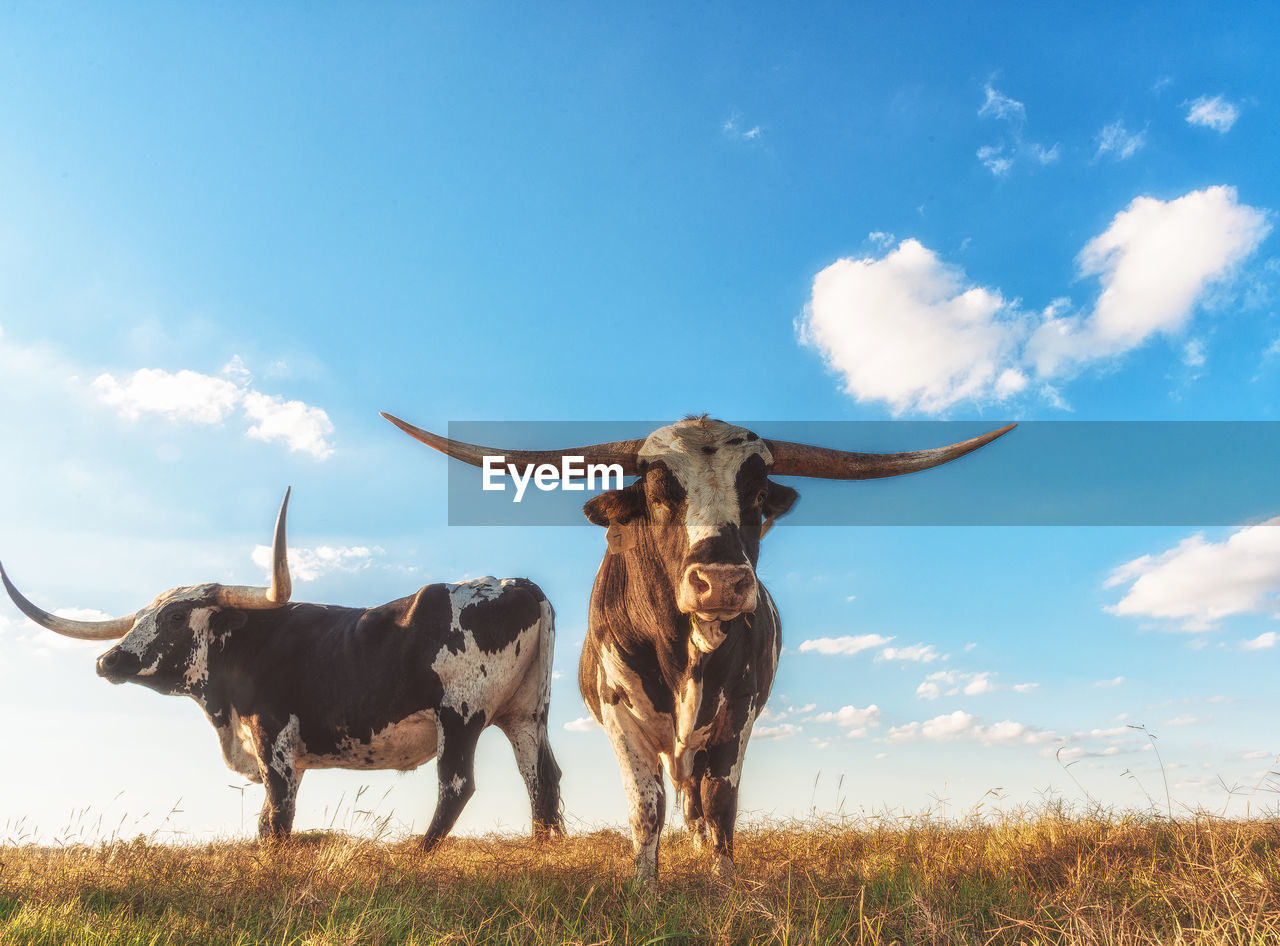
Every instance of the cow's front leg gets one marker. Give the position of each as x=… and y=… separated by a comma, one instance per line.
x=691, y=798
x=637, y=752
x=277, y=757
x=719, y=793
x=455, y=767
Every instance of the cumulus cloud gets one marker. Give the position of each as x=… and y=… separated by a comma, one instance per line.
x=854, y=721
x=190, y=397
x=309, y=564
x=918, y=653
x=1198, y=583
x=908, y=329
x=582, y=724
x=1153, y=263
x=1113, y=682
x=780, y=731
x=1264, y=641
x=1213, y=112
x=843, y=646
x=301, y=427
x=955, y=683
x=915, y=333
x=960, y=725
x=1118, y=142
x=182, y=396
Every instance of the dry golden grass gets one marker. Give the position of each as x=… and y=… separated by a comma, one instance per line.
x=1046, y=877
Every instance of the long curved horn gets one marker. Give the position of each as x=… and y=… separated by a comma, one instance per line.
x=621, y=452
x=108, y=630
x=802, y=459
x=254, y=598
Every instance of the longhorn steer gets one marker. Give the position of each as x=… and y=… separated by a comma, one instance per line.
x=291, y=687
x=683, y=638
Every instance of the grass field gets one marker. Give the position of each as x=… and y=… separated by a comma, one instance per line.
x=1044, y=877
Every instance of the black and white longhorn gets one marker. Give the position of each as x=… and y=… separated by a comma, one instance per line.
x=293, y=686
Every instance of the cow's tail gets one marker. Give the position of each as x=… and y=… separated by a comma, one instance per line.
x=548, y=814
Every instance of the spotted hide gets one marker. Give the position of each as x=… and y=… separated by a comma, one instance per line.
x=292, y=686
x=683, y=638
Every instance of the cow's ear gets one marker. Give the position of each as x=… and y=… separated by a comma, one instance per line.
x=225, y=620
x=617, y=505
x=777, y=503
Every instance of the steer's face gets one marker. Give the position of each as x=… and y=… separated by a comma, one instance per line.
x=699, y=508
x=168, y=646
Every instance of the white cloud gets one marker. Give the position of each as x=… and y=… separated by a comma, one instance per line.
x=906, y=329
x=854, y=721
x=998, y=105
x=962, y=725
x=190, y=397
x=913, y=332
x=780, y=731
x=302, y=427
x=1193, y=353
x=1264, y=641
x=581, y=724
x=1154, y=262
x=1000, y=158
x=184, y=396
x=309, y=564
x=1183, y=720
x=920, y=653
x=1120, y=143
x=956, y=682
x=995, y=160
x=1212, y=112
x=733, y=129
x=1198, y=583
x=843, y=646
x=1044, y=155
x=1113, y=682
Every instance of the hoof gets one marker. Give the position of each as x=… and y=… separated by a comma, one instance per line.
x=722, y=868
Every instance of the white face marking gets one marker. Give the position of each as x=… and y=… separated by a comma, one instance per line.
x=709, y=480
x=142, y=638
x=198, y=663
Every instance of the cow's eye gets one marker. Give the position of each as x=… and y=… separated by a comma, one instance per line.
x=173, y=618
x=761, y=497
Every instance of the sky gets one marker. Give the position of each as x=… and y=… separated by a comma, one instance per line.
x=230, y=236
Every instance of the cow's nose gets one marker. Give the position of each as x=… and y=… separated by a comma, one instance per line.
x=109, y=662
x=717, y=591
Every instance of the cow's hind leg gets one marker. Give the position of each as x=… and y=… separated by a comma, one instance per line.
x=541, y=775
x=455, y=768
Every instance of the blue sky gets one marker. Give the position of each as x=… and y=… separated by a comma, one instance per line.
x=229, y=237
